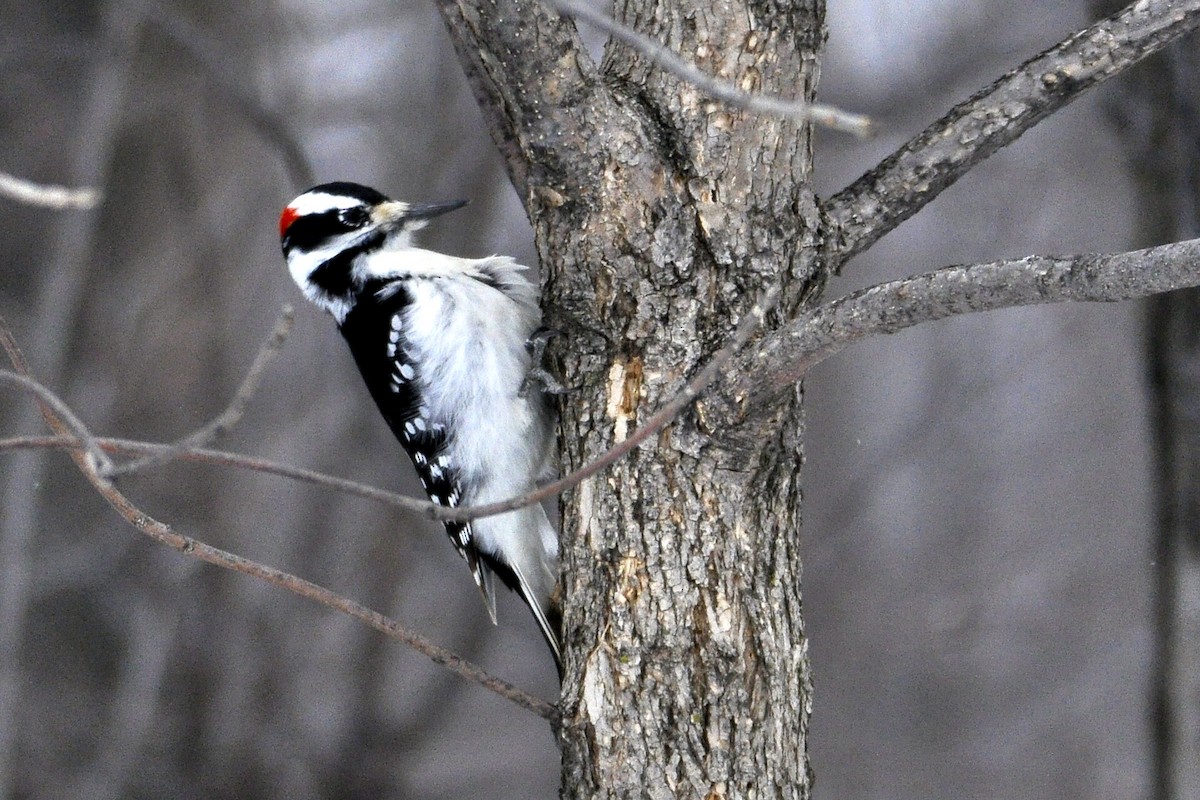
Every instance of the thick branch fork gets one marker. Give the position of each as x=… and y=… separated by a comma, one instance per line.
x=788, y=354
x=858, y=216
x=904, y=182
x=755, y=377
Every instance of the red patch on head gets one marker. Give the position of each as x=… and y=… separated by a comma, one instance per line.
x=286, y=219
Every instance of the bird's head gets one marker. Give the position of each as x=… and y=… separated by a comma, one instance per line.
x=328, y=232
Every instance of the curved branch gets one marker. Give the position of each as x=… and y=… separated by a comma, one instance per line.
x=818, y=113
x=755, y=379
x=55, y=412
x=919, y=171
x=47, y=196
x=788, y=354
x=50, y=401
x=232, y=414
x=663, y=416
x=163, y=533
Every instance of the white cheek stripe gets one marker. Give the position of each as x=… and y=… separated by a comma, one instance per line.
x=316, y=202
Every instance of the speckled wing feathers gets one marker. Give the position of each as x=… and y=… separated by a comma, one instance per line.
x=374, y=331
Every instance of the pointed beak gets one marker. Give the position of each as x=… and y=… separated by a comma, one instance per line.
x=394, y=214
x=434, y=209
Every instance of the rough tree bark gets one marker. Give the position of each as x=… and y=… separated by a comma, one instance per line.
x=660, y=218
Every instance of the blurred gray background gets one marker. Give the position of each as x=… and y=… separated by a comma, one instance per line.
x=978, y=526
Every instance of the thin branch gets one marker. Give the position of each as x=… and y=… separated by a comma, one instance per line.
x=45, y=397
x=439, y=655
x=163, y=533
x=820, y=114
x=787, y=355
x=47, y=196
x=70, y=421
x=755, y=379
x=925, y=166
x=254, y=464
x=745, y=330
x=233, y=413
x=667, y=412
x=130, y=447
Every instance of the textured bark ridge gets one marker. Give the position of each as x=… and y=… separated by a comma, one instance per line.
x=688, y=672
x=660, y=216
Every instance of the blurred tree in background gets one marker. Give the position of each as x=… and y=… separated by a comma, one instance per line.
x=980, y=494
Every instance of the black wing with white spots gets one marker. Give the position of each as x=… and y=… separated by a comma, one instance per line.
x=374, y=330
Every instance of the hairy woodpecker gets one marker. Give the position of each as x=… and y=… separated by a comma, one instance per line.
x=444, y=345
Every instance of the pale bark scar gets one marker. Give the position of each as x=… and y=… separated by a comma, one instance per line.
x=624, y=395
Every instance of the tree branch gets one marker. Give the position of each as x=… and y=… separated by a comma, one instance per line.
x=56, y=197
x=784, y=357
x=818, y=113
x=662, y=417
x=51, y=406
x=788, y=354
x=756, y=379
x=48, y=400
x=226, y=459
x=223, y=422
x=920, y=170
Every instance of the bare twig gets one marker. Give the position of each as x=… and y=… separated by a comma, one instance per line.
x=692, y=389
x=254, y=464
x=439, y=655
x=667, y=412
x=223, y=422
x=56, y=197
x=925, y=166
x=130, y=447
x=72, y=423
x=786, y=355
x=820, y=114
x=163, y=533
x=45, y=397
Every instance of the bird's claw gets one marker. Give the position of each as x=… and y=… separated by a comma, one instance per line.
x=538, y=375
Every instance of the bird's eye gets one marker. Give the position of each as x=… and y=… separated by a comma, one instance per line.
x=354, y=217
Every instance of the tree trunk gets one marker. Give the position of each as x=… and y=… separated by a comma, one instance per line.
x=688, y=672
x=1158, y=114
x=660, y=216
x=1173, y=331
